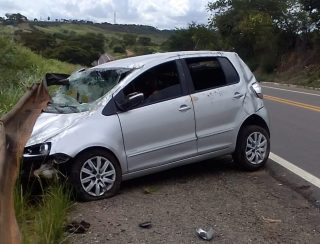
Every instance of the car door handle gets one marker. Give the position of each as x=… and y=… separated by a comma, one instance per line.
x=184, y=108
x=237, y=95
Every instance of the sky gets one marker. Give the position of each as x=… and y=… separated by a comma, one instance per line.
x=162, y=14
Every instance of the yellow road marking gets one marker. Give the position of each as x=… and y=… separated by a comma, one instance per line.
x=293, y=103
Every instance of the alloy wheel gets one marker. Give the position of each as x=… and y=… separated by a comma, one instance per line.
x=97, y=175
x=256, y=148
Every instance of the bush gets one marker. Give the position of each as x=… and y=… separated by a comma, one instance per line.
x=144, y=41
x=42, y=219
x=129, y=39
x=141, y=50
x=73, y=54
x=19, y=68
x=65, y=46
x=118, y=49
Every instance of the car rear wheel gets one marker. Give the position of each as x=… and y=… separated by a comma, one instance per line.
x=253, y=147
x=95, y=174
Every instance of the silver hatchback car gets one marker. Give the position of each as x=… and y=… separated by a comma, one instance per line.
x=145, y=114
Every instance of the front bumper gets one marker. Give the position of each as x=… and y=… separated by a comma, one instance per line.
x=44, y=166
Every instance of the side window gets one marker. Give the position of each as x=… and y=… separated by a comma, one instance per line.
x=157, y=84
x=211, y=72
x=230, y=72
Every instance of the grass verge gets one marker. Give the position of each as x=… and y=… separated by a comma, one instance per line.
x=19, y=68
x=41, y=221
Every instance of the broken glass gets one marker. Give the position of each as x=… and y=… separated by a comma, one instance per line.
x=83, y=89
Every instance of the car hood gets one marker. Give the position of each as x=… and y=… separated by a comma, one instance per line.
x=49, y=125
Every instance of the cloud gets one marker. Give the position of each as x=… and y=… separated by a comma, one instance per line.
x=164, y=14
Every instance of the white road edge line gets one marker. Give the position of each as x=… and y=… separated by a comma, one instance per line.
x=276, y=88
x=296, y=170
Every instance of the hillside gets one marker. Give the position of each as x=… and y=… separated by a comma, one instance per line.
x=19, y=68
x=289, y=58
x=157, y=36
x=82, y=42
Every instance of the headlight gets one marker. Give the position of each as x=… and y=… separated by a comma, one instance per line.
x=42, y=150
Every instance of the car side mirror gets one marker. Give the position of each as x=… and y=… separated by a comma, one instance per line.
x=132, y=100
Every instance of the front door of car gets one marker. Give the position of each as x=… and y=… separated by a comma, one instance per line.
x=218, y=100
x=162, y=128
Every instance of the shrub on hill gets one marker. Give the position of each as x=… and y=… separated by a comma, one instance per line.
x=68, y=47
x=19, y=68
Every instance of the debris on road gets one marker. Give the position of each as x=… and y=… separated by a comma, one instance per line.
x=76, y=227
x=205, y=235
x=145, y=225
x=214, y=195
x=149, y=190
x=271, y=221
x=46, y=171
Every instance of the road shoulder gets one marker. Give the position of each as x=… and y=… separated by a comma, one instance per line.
x=295, y=182
x=242, y=207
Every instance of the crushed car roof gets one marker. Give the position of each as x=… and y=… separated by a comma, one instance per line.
x=140, y=61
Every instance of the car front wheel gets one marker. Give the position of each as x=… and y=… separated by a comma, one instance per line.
x=253, y=147
x=95, y=174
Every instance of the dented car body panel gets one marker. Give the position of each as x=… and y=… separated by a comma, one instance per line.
x=179, y=122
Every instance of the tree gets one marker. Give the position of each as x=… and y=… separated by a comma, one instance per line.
x=119, y=49
x=129, y=39
x=115, y=42
x=252, y=28
x=37, y=41
x=311, y=23
x=79, y=49
x=15, y=18
x=312, y=7
x=181, y=40
x=195, y=37
x=144, y=41
x=72, y=54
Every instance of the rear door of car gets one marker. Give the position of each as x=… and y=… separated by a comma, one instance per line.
x=162, y=128
x=218, y=96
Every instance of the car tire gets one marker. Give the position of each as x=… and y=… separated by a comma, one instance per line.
x=95, y=174
x=252, y=148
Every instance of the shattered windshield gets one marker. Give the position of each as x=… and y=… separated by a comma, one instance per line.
x=80, y=91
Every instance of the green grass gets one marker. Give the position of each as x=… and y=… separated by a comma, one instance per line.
x=84, y=29
x=19, y=68
x=7, y=31
x=41, y=222
x=308, y=77
x=79, y=29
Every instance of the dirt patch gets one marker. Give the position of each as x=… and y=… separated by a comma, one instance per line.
x=129, y=53
x=241, y=207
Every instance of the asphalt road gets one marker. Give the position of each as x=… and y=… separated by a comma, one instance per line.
x=295, y=125
x=242, y=207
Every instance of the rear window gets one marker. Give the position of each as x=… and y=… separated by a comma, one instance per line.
x=230, y=72
x=211, y=72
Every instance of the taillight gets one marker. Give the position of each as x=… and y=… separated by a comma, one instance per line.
x=256, y=88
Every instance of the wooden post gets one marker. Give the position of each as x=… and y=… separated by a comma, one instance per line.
x=15, y=130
